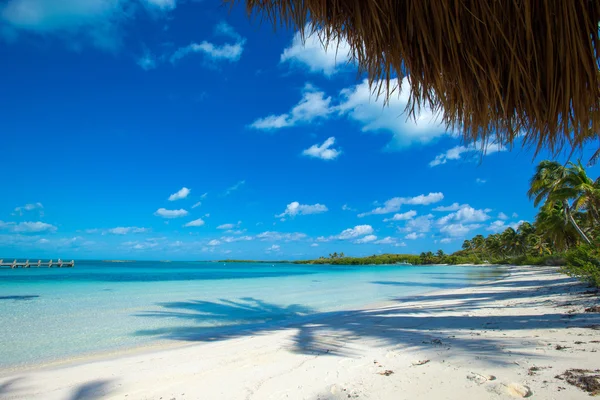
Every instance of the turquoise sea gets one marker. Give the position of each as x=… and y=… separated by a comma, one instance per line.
x=97, y=307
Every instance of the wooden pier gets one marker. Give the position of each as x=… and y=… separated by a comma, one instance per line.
x=38, y=264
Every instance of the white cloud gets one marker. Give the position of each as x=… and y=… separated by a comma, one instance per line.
x=198, y=204
x=78, y=21
x=393, y=204
x=233, y=239
x=474, y=149
x=446, y=240
x=480, y=181
x=276, y=236
x=313, y=105
x=515, y=215
x=466, y=214
x=501, y=215
x=214, y=242
x=345, y=207
x=28, y=227
x=414, y=236
x=28, y=207
x=361, y=105
x=180, y=194
x=162, y=4
x=323, y=151
x=295, y=208
x=355, y=232
x=314, y=245
x=313, y=54
x=402, y=217
x=458, y=230
x=274, y=247
x=366, y=239
x=452, y=207
x=224, y=29
x=419, y=224
x=163, y=212
x=386, y=240
x=147, y=61
x=124, y=230
x=235, y=187
x=225, y=52
x=194, y=223
x=229, y=226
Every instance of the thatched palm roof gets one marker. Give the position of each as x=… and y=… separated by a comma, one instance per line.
x=497, y=68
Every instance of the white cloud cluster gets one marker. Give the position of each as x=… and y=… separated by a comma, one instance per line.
x=28, y=227
x=366, y=239
x=229, y=226
x=452, y=207
x=323, y=151
x=371, y=112
x=402, y=217
x=180, y=194
x=78, y=21
x=28, y=207
x=227, y=52
x=314, y=105
x=394, y=204
x=124, y=230
x=458, y=230
x=295, y=208
x=194, y=223
x=414, y=236
x=420, y=224
x=457, y=152
x=466, y=214
x=358, y=230
x=277, y=236
x=163, y=212
x=312, y=53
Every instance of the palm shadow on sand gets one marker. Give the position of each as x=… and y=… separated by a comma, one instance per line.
x=407, y=323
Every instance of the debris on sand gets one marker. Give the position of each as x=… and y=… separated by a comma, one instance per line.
x=595, y=327
x=593, y=309
x=387, y=372
x=480, y=379
x=518, y=390
x=420, y=362
x=585, y=379
x=559, y=347
x=535, y=369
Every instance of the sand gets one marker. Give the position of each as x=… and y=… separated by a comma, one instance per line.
x=503, y=339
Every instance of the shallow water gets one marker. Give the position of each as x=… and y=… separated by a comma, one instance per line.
x=54, y=314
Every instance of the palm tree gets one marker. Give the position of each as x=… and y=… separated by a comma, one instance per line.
x=553, y=182
x=440, y=254
x=538, y=245
x=550, y=225
x=586, y=192
x=466, y=245
x=493, y=245
x=509, y=241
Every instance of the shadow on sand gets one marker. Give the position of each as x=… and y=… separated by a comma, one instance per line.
x=408, y=322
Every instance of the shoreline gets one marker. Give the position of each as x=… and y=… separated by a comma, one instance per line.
x=165, y=344
x=502, y=327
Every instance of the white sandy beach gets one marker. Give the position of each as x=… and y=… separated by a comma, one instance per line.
x=459, y=337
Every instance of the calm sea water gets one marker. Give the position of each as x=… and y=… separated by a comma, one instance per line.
x=55, y=314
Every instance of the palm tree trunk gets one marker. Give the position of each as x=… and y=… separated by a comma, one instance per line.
x=569, y=215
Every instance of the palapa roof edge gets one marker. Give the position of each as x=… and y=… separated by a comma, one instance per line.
x=497, y=69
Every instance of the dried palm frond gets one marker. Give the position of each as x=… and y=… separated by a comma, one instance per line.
x=498, y=69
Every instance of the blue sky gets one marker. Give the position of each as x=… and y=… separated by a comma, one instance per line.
x=171, y=129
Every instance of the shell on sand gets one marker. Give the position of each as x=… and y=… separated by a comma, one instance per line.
x=518, y=390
